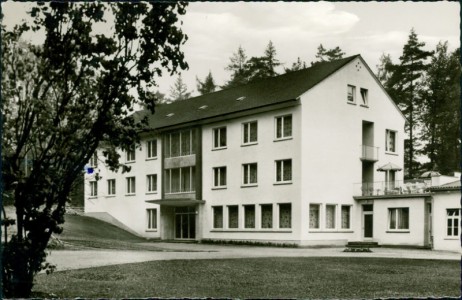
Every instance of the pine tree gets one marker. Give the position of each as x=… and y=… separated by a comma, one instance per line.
x=179, y=90
x=324, y=55
x=270, y=59
x=237, y=67
x=441, y=111
x=207, y=86
x=384, y=68
x=404, y=85
x=296, y=66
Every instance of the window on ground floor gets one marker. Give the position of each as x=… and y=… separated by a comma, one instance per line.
x=314, y=215
x=285, y=215
x=330, y=216
x=398, y=218
x=266, y=216
x=151, y=218
x=452, y=217
x=346, y=211
x=233, y=216
x=218, y=217
x=249, y=216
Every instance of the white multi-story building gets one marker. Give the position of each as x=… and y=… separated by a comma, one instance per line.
x=310, y=157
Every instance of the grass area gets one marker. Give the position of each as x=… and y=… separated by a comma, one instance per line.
x=260, y=277
x=81, y=231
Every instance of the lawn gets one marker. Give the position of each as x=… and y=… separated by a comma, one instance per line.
x=260, y=277
x=87, y=232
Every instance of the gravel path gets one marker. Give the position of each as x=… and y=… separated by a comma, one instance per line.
x=78, y=259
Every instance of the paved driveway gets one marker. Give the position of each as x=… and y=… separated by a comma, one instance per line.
x=78, y=259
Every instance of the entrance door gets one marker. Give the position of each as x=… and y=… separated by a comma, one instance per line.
x=368, y=221
x=185, y=223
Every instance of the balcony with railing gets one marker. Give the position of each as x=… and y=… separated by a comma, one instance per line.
x=386, y=188
x=369, y=153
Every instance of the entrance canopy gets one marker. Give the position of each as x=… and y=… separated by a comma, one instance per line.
x=389, y=167
x=176, y=202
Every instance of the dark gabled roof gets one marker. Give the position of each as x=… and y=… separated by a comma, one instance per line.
x=257, y=94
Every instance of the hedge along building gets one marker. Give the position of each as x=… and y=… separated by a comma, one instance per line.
x=274, y=160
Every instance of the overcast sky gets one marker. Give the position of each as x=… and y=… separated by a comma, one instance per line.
x=216, y=30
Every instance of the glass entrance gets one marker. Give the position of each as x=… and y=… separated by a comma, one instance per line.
x=185, y=223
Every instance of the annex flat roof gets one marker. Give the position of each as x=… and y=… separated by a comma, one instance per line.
x=259, y=93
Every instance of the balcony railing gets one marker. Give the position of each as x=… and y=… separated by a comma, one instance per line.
x=369, y=153
x=398, y=187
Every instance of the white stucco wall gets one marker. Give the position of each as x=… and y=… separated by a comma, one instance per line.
x=412, y=237
x=332, y=139
x=441, y=202
x=127, y=209
x=264, y=153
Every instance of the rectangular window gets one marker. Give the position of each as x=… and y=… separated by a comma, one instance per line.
x=249, y=132
x=151, y=183
x=284, y=127
x=390, y=140
x=219, y=177
x=249, y=216
x=179, y=143
x=218, y=217
x=452, y=216
x=93, y=188
x=130, y=154
x=266, y=216
x=186, y=142
x=284, y=170
x=315, y=216
x=249, y=174
x=398, y=218
x=180, y=180
x=346, y=216
x=152, y=148
x=152, y=218
x=351, y=96
x=364, y=97
x=175, y=144
x=330, y=216
x=94, y=160
x=219, y=138
x=111, y=187
x=285, y=215
x=131, y=185
x=233, y=216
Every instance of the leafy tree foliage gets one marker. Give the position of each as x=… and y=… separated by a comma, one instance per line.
x=63, y=100
x=207, y=86
x=296, y=66
x=440, y=115
x=405, y=85
x=179, y=90
x=324, y=55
